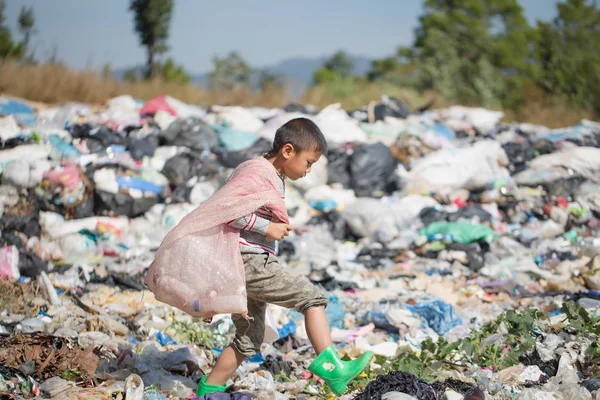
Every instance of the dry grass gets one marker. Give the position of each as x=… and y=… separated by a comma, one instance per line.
x=363, y=93
x=554, y=113
x=53, y=83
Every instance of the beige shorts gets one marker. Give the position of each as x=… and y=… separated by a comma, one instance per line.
x=268, y=282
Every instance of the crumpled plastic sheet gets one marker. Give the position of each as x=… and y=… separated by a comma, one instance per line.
x=438, y=315
x=398, y=381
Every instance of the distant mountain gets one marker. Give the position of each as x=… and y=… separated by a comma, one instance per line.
x=295, y=71
x=300, y=70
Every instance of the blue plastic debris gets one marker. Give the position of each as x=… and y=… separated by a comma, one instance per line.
x=234, y=140
x=21, y=112
x=443, y=131
x=288, y=328
x=323, y=205
x=62, y=149
x=132, y=182
x=380, y=320
x=335, y=311
x=257, y=358
x=438, y=315
x=164, y=339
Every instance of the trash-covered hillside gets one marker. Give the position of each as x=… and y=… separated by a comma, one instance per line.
x=462, y=250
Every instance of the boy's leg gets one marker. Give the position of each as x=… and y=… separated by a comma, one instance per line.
x=268, y=282
x=227, y=363
x=317, y=328
x=249, y=335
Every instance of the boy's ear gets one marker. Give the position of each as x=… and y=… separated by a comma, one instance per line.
x=288, y=150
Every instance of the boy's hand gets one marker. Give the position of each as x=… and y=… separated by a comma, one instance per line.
x=277, y=231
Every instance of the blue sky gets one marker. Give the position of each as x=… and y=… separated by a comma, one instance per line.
x=92, y=33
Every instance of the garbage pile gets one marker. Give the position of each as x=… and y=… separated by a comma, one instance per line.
x=462, y=250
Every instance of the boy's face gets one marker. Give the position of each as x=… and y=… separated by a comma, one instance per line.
x=298, y=163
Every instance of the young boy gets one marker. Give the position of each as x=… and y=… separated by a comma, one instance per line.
x=297, y=146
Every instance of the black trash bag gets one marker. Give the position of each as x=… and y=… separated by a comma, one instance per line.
x=117, y=204
x=30, y=265
x=518, y=154
x=372, y=170
x=231, y=159
x=335, y=224
x=454, y=384
x=289, y=343
x=390, y=107
x=182, y=167
x=532, y=357
x=398, y=381
x=286, y=250
x=338, y=167
x=10, y=239
x=15, y=142
x=386, y=107
x=469, y=212
x=475, y=254
x=98, y=137
x=293, y=107
x=192, y=133
x=181, y=194
x=80, y=131
x=431, y=214
x=299, y=108
x=592, y=384
x=276, y=365
x=544, y=146
x=329, y=283
x=138, y=148
x=85, y=209
x=102, y=139
x=128, y=282
x=28, y=224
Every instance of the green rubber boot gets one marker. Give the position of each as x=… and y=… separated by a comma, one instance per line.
x=205, y=388
x=335, y=372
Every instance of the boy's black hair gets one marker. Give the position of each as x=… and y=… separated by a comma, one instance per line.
x=302, y=133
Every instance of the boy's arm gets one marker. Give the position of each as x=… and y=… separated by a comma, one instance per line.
x=252, y=223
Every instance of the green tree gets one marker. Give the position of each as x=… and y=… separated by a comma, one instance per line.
x=568, y=53
x=382, y=68
x=8, y=48
x=230, y=72
x=152, y=19
x=340, y=63
x=338, y=67
x=469, y=50
x=171, y=72
x=26, y=27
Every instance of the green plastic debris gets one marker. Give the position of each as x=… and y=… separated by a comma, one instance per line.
x=572, y=236
x=461, y=232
